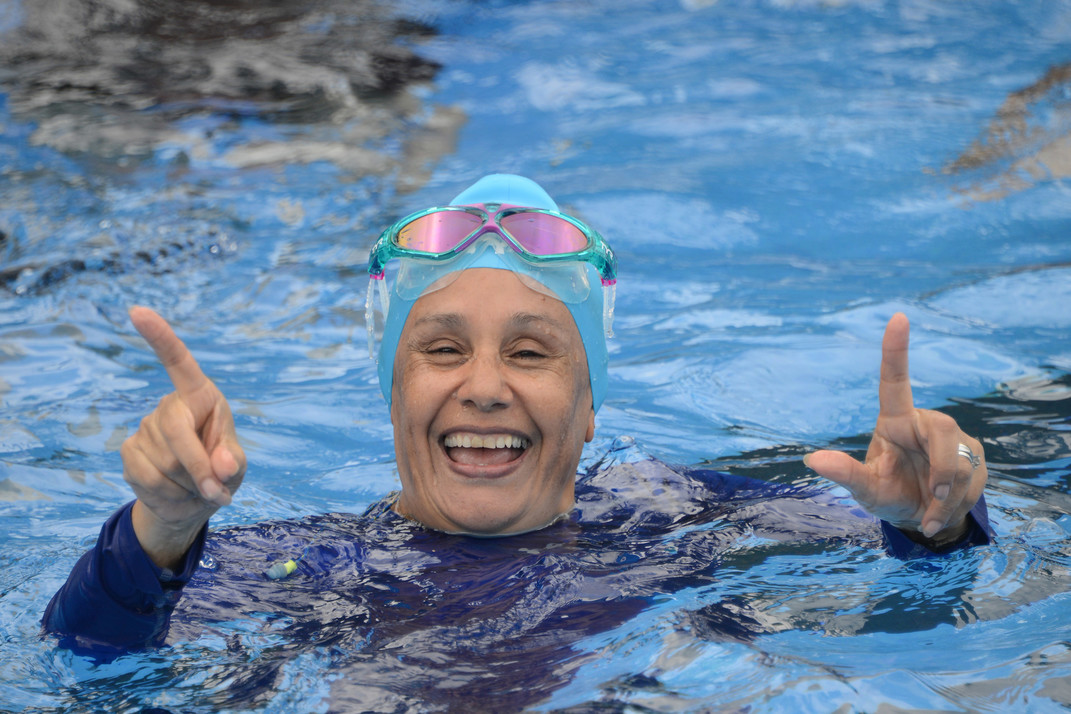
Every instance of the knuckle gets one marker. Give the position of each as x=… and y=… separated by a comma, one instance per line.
x=131, y=451
x=943, y=423
x=168, y=464
x=146, y=426
x=170, y=427
x=165, y=402
x=174, y=425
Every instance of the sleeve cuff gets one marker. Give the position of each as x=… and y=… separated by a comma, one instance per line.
x=116, y=598
x=979, y=532
x=130, y=564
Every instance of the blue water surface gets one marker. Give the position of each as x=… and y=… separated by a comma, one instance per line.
x=778, y=178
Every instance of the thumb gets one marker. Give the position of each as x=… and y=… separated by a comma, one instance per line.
x=839, y=468
x=228, y=461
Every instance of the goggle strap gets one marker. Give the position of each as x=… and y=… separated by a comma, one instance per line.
x=384, y=295
x=370, y=310
x=609, y=294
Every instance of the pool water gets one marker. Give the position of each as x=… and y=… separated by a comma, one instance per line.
x=777, y=177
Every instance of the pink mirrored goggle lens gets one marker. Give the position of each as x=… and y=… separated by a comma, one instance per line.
x=543, y=234
x=538, y=233
x=438, y=232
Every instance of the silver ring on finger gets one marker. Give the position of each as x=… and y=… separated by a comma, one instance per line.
x=965, y=451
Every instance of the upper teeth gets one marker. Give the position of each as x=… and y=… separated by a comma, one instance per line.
x=488, y=441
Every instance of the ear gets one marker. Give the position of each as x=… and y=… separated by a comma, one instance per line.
x=591, y=427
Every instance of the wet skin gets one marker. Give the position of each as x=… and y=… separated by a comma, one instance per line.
x=487, y=358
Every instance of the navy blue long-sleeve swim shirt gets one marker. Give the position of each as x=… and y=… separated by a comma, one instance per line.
x=639, y=531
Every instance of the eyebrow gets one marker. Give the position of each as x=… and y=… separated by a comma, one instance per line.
x=453, y=320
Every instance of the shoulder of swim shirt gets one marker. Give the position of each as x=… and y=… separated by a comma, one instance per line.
x=650, y=498
x=115, y=598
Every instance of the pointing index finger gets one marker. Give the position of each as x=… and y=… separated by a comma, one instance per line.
x=894, y=391
x=182, y=368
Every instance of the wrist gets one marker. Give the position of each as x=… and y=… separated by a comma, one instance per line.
x=166, y=543
x=942, y=539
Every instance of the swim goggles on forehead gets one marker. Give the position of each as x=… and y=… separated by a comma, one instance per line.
x=539, y=236
x=548, y=251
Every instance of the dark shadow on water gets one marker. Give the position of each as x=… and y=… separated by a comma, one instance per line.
x=288, y=60
x=168, y=100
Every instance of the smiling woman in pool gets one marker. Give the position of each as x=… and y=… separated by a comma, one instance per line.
x=494, y=364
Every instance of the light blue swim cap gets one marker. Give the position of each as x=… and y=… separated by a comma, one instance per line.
x=587, y=313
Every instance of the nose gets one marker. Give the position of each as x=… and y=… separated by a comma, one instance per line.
x=484, y=385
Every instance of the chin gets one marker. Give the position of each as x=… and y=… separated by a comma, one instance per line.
x=483, y=525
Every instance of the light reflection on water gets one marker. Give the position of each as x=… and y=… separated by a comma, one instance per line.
x=777, y=178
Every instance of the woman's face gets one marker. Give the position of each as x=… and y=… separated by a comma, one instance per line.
x=491, y=406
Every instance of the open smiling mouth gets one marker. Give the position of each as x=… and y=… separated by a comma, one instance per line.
x=484, y=449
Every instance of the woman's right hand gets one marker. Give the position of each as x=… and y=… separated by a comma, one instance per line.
x=184, y=461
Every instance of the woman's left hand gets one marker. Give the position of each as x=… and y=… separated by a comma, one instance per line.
x=916, y=476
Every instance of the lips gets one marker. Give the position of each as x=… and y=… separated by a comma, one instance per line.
x=472, y=449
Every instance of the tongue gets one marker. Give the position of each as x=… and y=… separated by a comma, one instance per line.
x=482, y=457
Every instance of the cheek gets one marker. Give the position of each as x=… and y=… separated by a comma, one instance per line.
x=415, y=385
x=570, y=409
x=411, y=411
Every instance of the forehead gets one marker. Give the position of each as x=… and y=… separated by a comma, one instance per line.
x=486, y=297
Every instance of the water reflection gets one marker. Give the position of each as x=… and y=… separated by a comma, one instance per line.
x=1028, y=141
x=119, y=81
x=185, y=110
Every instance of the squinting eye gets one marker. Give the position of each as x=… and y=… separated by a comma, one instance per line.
x=438, y=347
